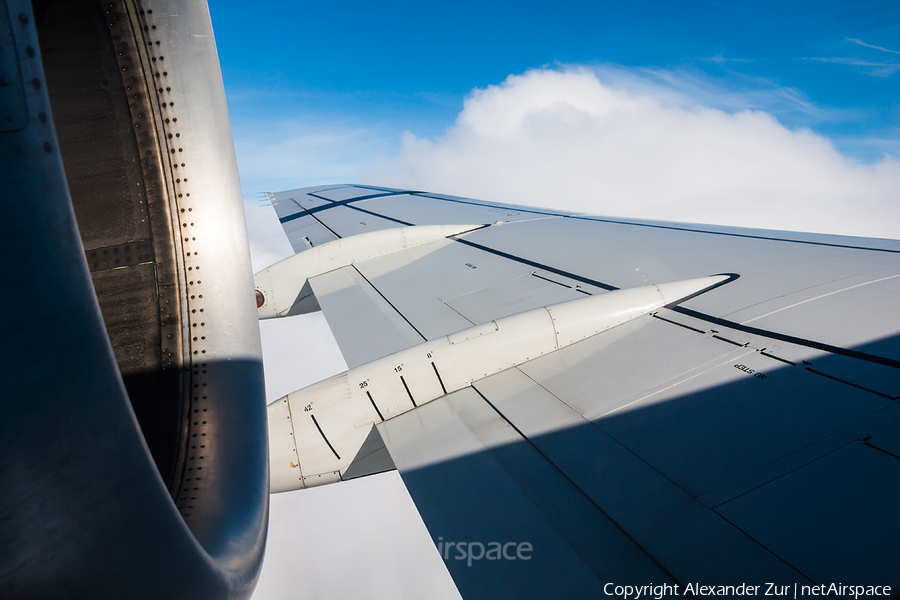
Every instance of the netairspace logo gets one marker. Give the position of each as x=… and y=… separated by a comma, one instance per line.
x=474, y=551
x=658, y=592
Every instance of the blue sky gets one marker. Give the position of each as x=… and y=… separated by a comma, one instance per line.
x=408, y=66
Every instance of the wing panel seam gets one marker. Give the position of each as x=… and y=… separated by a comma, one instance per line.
x=575, y=484
x=888, y=362
x=391, y=304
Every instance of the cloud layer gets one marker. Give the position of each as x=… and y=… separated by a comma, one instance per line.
x=638, y=147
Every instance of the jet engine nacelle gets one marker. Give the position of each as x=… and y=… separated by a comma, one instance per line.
x=133, y=440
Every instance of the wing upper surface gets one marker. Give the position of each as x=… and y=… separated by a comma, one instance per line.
x=796, y=285
x=716, y=439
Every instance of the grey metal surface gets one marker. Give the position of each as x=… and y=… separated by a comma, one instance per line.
x=14, y=111
x=114, y=171
x=373, y=457
x=86, y=512
x=475, y=479
x=297, y=229
x=830, y=540
x=364, y=323
x=353, y=222
x=689, y=540
x=518, y=294
x=709, y=432
x=598, y=254
x=426, y=208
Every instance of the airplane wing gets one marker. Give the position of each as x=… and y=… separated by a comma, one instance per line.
x=560, y=428
x=572, y=401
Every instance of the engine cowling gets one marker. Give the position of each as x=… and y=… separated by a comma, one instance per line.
x=133, y=444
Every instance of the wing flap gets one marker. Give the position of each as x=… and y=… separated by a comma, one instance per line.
x=646, y=468
x=365, y=325
x=475, y=479
x=465, y=286
x=826, y=540
x=698, y=408
x=688, y=539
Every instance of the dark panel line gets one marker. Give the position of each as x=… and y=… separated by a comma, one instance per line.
x=685, y=311
x=730, y=277
x=313, y=216
x=375, y=406
x=507, y=208
x=336, y=234
x=300, y=213
x=844, y=381
x=776, y=478
x=316, y=423
x=538, y=265
x=391, y=304
x=728, y=234
x=888, y=362
x=673, y=228
x=385, y=217
x=700, y=331
x=384, y=189
x=551, y=281
x=293, y=215
x=354, y=199
x=600, y=220
x=334, y=204
x=406, y=387
x=572, y=481
x=738, y=344
x=874, y=447
x=335, y=187
x=784, y=360
x=440, y=381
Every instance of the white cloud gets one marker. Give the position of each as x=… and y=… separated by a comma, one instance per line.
x=638, y=148
x=865, y=45
x=734, y=92
x=869, y=67
x=278, y=153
